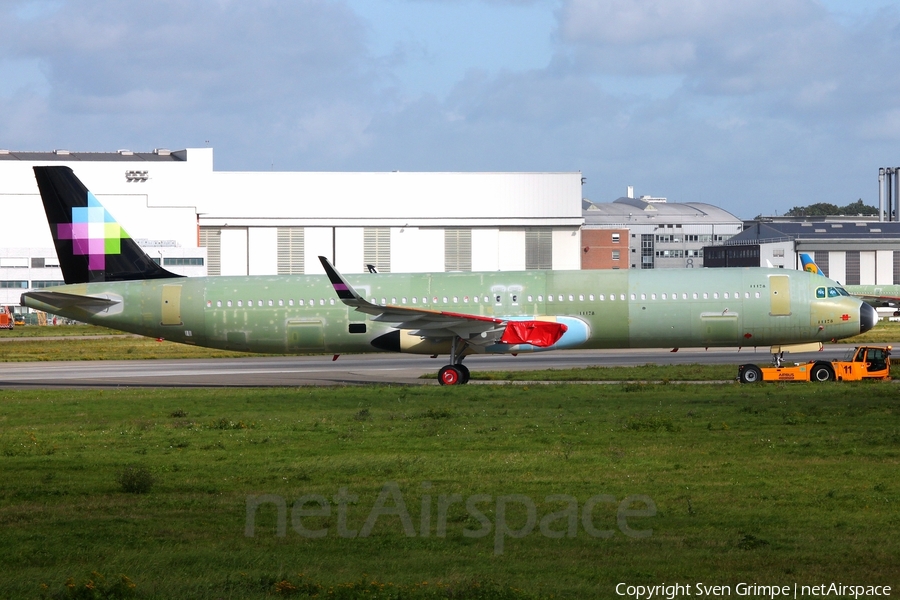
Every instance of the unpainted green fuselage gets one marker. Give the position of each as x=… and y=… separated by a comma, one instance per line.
x=618, y=309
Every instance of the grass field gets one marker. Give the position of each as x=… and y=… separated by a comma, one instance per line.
x=771, y=484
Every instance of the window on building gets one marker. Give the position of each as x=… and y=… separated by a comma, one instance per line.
x=14, y=263
x=15, y=284
x=615, y=238
x=457, y=249
x=377, y=248
x=538, y=248
x=211, y=239
x=183, y=261
x=45, y=283
x=615, y=255
x=290, y=251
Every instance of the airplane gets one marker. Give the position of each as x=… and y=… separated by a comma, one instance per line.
x=110, y=281
x=875, y=295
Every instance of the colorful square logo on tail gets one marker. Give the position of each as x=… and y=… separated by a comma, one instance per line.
x=94, y=233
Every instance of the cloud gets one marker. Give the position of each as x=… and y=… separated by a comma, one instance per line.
x=181, y=66
x=729, y=102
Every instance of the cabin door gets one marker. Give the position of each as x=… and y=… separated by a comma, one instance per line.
x=171, y=305
x=779, y=295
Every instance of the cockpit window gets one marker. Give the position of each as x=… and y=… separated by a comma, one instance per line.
x=833, y=293
x=843, y=292
x=820, y=292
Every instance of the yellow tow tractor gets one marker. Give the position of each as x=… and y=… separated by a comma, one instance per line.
x=863, y=362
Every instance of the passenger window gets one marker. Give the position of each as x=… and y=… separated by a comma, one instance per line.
x=455, y=299
x=643, y=296
x=415, y=300
x=622, y=297
x=218, y=304
x=403, y=300
x=445, y=299
x=746, y=295
x=331, y=301
x=209, y=304
x=486, y=300
x=756, y=294
x=695, y=296
x=684, y=296
x=612, y=297
x=571, y=298
x=393, y=301
x=530, y=298
x=664, y=296
x=271, y=303
x=240, y=303
x=434, y=300
x=540, y=298
x=653, y=296
x=228, y=303
x=321, y=302
x=715, y=295
x=706, y=295
x=591, y=297
x=498, y=299
x=725, y=295
x=581, y=297
x=383, y=301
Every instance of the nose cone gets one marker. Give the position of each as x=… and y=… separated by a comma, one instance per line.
x=867, y=318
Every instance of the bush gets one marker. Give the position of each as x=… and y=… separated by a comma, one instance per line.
x=136, y=479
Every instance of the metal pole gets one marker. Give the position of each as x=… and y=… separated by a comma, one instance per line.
x=897, y=193
x=881, y=194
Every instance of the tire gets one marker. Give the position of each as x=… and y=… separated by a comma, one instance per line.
x=450, y=375
x=750, y=374
x=821, y=372
x=464, y=371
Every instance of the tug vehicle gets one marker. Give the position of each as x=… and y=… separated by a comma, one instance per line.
x=863, y=362
x=7, y=320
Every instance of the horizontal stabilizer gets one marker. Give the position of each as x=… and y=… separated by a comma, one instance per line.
x=63, y=301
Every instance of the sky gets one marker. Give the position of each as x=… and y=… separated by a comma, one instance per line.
x=755, y=106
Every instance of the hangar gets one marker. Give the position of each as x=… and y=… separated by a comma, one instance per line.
x=853, y=251
x=198, y=221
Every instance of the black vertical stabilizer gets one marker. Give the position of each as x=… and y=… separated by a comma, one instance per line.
x=90, y=245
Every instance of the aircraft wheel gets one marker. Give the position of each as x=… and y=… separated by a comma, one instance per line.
x=750, y=374
x=464, y=371
x=821, y=372
x=450, y=375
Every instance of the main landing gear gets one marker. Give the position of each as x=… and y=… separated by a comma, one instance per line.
x=455, y=373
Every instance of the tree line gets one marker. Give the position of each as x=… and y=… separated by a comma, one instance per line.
x=826, y=209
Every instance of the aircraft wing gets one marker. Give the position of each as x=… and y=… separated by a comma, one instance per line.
x=436, y=324
x=62, y=300
x=879, y=299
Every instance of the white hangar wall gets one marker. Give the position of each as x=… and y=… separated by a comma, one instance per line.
x=265, y=223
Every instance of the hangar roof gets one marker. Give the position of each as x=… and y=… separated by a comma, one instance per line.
x=625, y=209
x=853, y=230
x=159, y=155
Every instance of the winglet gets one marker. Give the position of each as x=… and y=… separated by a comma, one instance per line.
x=344, y=290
